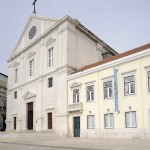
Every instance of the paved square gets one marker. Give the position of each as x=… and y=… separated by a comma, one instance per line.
x=51, y=141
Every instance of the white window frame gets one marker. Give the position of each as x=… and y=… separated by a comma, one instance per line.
x=90, y=122
x=90, y=92
x=31, y=67
x=129, y=121
x=109, y=118
x=129, y=84
x=76, y=95
x=16, y=75
x=108, y=89
x=51, y=57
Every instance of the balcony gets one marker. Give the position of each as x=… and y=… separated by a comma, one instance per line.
x=75, y=107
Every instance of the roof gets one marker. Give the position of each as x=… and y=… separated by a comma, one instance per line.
x=78, y=25
x=3, y=74
x=3, y=83
x=127, y=53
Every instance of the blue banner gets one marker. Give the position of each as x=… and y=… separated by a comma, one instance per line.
x=116, y=89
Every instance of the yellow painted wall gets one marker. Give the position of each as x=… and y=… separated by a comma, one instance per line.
x=139, y=102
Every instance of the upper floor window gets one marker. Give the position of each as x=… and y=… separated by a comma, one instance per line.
x=90, y=122
x=108, y=89
x=109, y=120
x=31, y=67
x=16, y=75
x=76, y=96
x=130, y=119
x=90, y=93
x=15, y=94
x=149, y=81
x=50, y=57
x=50, y=82
x=129, y=85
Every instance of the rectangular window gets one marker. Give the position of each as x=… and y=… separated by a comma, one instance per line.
x=149, y=81
x=15, y=94
x=129, y=85
x=90, y=93
x=16, y=75
x=76, y=96
x=31, y=67
x=50, y=57
x=90, y=122
x=109, y=120
x=108, y=89
x=50, y=82
x=130, y=118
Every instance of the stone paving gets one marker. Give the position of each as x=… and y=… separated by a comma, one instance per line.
x=51, y=141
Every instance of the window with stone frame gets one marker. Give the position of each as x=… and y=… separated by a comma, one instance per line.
x=76, y=95
x=108, y=93
x=31, y=67
x=130, y=119
x=90, y=122
x=108, y=121
x=15, y=94
x=129, y=85
x=50, y=82
x=90, y=93
x=50, y=57
x=16, y=75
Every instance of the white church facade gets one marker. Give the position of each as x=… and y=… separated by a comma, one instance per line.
x=47, y=52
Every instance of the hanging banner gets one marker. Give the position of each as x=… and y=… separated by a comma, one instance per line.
x=116, y=89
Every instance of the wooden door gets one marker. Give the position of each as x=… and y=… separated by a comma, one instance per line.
x=30, y=116
x=14, y=123
x=76, y=126
x=50, y=121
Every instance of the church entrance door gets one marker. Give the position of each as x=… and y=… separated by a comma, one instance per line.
x=30, y=116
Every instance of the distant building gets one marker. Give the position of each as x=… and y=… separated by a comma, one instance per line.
x=111, y=98
x=47, y=52
x=3, y=100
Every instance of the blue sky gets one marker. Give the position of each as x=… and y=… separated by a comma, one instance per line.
x=122, y=24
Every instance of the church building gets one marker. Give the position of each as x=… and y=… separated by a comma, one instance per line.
x=47, y=52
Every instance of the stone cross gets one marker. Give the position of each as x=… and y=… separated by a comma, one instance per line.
x=34, y=6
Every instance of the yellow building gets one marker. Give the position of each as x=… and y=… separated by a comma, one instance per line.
x=111, y=98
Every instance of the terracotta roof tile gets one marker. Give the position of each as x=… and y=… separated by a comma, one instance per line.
x=127, y=53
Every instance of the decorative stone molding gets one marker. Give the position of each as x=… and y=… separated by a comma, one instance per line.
x=49, y=108
x=31, y=54
x=28, y=95
x=49, y=41
x=75, y=84
x=16, y=64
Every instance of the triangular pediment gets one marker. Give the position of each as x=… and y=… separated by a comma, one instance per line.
x=35, y=27
x=29, y=95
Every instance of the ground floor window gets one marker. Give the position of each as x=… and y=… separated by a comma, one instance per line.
x=130, y=119
x=108, y=121
x=90, y=121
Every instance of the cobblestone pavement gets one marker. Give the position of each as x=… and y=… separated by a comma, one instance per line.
x=51, y=141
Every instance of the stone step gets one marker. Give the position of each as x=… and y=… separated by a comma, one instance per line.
x=48, y=133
